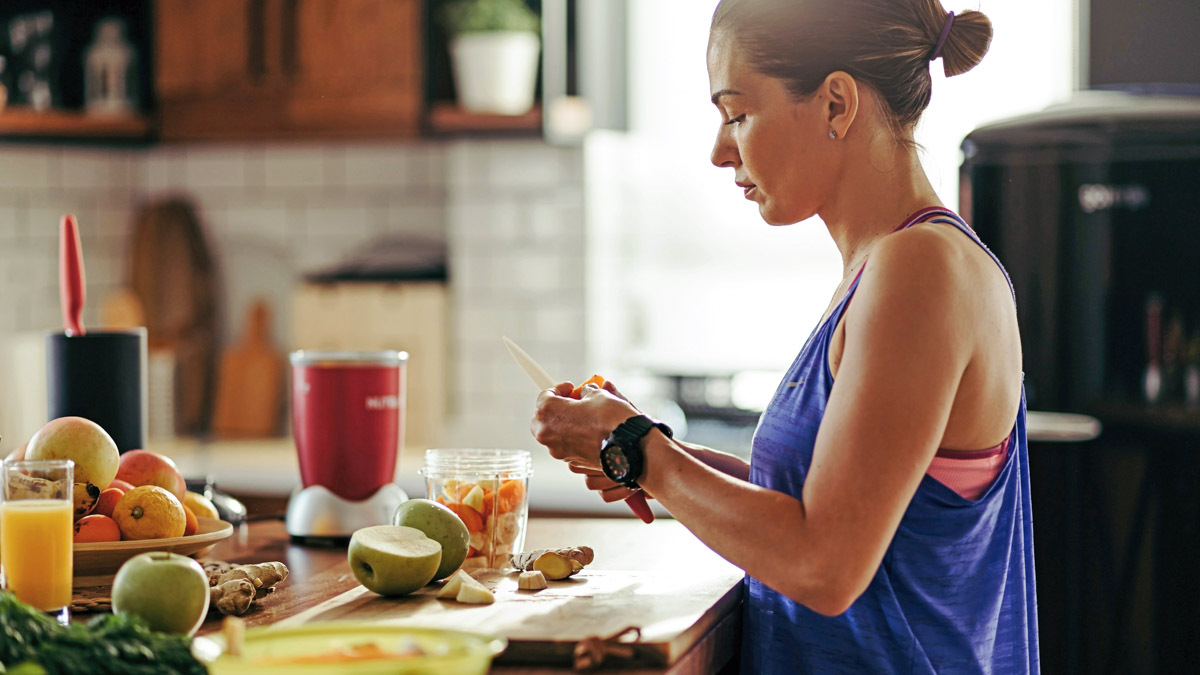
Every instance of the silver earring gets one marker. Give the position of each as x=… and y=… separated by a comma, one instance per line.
x=832, y=135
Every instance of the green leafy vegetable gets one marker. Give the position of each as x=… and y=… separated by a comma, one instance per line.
x=106, y=644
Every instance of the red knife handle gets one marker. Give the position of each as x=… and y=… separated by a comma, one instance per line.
x=637, y=504
x=70, y=281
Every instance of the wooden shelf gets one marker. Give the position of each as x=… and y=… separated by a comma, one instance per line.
x=449, y=119
x=27, y=123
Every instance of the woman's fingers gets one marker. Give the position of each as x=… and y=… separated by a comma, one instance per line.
x=575, y=467
x=615, y=494
x=601, y=482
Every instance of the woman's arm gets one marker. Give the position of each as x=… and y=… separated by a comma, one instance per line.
x=908, y=341
x=730, y=465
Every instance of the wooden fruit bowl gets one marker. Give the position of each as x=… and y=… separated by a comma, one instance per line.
x=104, y=558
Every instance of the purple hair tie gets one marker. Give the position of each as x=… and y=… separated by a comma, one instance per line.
x=941, y=42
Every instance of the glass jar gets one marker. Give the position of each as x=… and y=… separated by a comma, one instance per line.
x=489, y=490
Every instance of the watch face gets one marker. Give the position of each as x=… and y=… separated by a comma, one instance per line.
x=614, y=462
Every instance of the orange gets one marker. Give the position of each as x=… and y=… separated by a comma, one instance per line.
x=150, y=512
x=595, y=379
x=96, y=528
x=190, y=522
x=108, y=501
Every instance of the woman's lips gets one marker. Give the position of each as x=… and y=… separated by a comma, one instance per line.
x=749, y=190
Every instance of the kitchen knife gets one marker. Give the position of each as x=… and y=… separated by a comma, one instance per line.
x=637, y=500
x=70, y=276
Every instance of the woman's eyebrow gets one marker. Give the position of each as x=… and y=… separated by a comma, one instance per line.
x=724, y=92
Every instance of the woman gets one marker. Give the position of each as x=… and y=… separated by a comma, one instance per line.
x=883, y=521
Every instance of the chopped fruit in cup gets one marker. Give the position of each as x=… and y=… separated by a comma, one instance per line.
x=469, y=516
x=493, y=511
x=510, y=495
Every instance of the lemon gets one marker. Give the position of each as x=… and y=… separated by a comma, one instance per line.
x=150, y=512
x=200, y=505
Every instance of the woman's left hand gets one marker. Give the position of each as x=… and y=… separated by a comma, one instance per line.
x=573, y=430
x=609, y=490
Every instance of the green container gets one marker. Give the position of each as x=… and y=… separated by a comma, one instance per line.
x=446, y=652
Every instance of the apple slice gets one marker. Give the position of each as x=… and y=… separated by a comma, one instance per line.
x=450, y=590
x=474, y=499
x=393, y=559
x=474, y=593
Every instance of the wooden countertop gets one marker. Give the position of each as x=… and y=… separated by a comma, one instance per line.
x=320, y=574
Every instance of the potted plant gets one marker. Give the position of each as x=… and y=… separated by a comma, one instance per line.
x=494, y=48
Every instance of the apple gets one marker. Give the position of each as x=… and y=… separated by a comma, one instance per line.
x=441, y=525
x=393, y=559
x=168, y=590
x=81, y=441
x=142, y=467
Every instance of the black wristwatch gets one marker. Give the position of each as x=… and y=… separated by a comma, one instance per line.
x=621, y=455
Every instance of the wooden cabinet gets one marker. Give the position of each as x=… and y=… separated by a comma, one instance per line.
x=230, y=69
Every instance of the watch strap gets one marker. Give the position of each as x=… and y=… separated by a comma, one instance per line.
x=626, y=440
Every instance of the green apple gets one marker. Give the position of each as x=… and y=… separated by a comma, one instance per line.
x=81, y=441
x=393, y=559
x=169, y=591
x=441, y=525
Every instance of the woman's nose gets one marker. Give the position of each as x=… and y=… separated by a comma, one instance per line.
x=724, y=152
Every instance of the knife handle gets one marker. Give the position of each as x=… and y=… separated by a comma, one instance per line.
x=637, y=504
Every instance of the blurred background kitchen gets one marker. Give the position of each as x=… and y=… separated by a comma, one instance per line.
x=257, y=176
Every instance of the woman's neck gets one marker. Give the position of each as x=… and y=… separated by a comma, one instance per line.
x=885, y=187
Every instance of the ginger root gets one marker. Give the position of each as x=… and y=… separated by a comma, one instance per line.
x=555, y=564
x=264, y=576
x=234, y=587
x=232, y=597
x=533, y=580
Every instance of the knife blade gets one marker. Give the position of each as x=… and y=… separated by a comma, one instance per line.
x=637, y=500
x=535, y=372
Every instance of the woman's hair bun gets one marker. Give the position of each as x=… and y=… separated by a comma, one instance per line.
x=966, y=43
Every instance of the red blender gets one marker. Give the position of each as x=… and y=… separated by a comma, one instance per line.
x=348, y=423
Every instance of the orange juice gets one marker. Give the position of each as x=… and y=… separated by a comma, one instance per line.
x=35, y=551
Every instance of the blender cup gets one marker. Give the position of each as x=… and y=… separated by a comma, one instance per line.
x=489, y=490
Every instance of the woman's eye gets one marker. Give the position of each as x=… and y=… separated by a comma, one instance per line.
x=735, y=120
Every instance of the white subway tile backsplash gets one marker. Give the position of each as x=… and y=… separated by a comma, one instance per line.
x=89, y=169
x=292, y=167
x=220, y=167
x=255, y=222
x=22, y=167
x=339, y=221
x=381, y=166
x=12, y=224
x=538, y=273
x=161, y=170
x=418, y=219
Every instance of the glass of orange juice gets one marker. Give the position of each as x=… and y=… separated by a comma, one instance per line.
x=36, y=533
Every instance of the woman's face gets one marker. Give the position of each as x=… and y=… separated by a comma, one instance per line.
x=779, y=148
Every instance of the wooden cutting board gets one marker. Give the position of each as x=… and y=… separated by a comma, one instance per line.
x=249, y=400
x=173, y=276
x=673, y=609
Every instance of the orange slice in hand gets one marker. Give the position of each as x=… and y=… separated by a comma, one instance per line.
x=595, y=379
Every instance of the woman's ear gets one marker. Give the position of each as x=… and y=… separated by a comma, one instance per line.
x=841, y=92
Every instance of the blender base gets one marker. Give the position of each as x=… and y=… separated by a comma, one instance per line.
x=316, y=512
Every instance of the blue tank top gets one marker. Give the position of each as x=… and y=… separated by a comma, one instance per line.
x=955, y=591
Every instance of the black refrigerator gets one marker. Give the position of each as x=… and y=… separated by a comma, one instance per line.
x=1094, y=208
